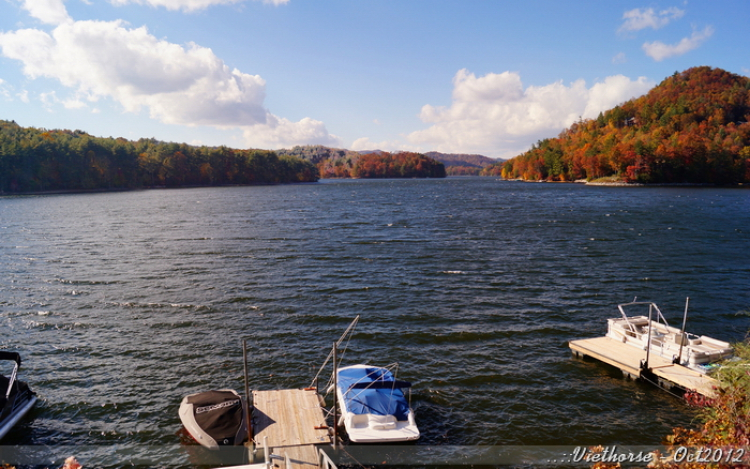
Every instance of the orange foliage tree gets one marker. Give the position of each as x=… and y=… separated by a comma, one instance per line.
x=692, y=128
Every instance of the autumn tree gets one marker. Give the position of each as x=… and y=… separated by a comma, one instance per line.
x=693, y=127
x=49, y=160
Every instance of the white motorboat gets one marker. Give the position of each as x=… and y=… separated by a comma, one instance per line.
x=215, y=418
x=16, y=398
x=374, y=408
x=650, y=331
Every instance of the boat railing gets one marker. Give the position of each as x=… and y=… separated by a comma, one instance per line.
x=654, y=316
x=652, y=308
x=345, y=336
x=266, y=454
x=325, y=461
x=287, y=461
x=11, y=380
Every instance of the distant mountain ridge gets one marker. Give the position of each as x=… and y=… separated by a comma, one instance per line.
x=451, y=159
x=462, y=159
x=456, y=164
x=318, y=153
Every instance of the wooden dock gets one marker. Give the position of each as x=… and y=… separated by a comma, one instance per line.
x=294, y=422
x=628, y=359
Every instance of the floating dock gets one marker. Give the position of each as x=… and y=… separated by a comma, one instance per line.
x=627, y=358
x=294, y=424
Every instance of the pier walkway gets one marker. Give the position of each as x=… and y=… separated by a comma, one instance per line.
x=294, y=423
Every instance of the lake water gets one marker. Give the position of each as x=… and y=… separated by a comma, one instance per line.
x=122, y=303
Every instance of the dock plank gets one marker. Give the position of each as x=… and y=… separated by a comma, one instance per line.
x=294, y=423
x=613, y=352
x=628, y=359
x=688, y=379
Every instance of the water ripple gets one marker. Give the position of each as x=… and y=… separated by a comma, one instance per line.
x=120, y=304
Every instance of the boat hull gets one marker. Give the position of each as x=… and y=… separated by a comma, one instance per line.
x=21, y=409
x=16, y=398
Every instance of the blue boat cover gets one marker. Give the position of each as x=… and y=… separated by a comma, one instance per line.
x=383, y=396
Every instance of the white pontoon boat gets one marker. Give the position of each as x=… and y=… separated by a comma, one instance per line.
x=16, y=399
x=373, y=405
x=696, y=352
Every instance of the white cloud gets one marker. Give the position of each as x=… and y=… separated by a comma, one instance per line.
x=189, y=5
x=104, y=59
x=8, y=92
x=282, y=133
x=365, y=143
x=659, y=51
x=74, y=103
x=620, y=58
x=495, y=114
x=47, y=11
x=612, y=91
x=638, y=19
x=49, y=99
x=4, y=90
x=186, y=85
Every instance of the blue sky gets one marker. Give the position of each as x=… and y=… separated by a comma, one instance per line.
x=459, y=76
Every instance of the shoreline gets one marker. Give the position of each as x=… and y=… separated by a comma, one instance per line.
x=578, y=181
x=634, y=184
x=134, y=189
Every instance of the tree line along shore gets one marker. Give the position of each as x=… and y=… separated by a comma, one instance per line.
x=41, y=160
x=693, y=128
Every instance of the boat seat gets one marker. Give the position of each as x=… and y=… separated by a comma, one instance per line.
x=702, y=348
x=357, y=421
x=716, y=344
x=681, y=339
x=381, y=422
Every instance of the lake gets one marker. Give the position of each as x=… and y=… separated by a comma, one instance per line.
x=122, y=303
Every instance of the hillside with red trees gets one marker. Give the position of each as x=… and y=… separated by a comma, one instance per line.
x=691, y=128
x=381, y=165
x=462, y=164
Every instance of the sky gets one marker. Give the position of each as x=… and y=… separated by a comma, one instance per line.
x=491, y=77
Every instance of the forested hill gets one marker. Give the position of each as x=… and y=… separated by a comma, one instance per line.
x=339, y=163
x=34, y=160
x=41, y=160
x=691, y=128
x=461, y=159
x=318, y=153
x=462, y=164
x=331, y=160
